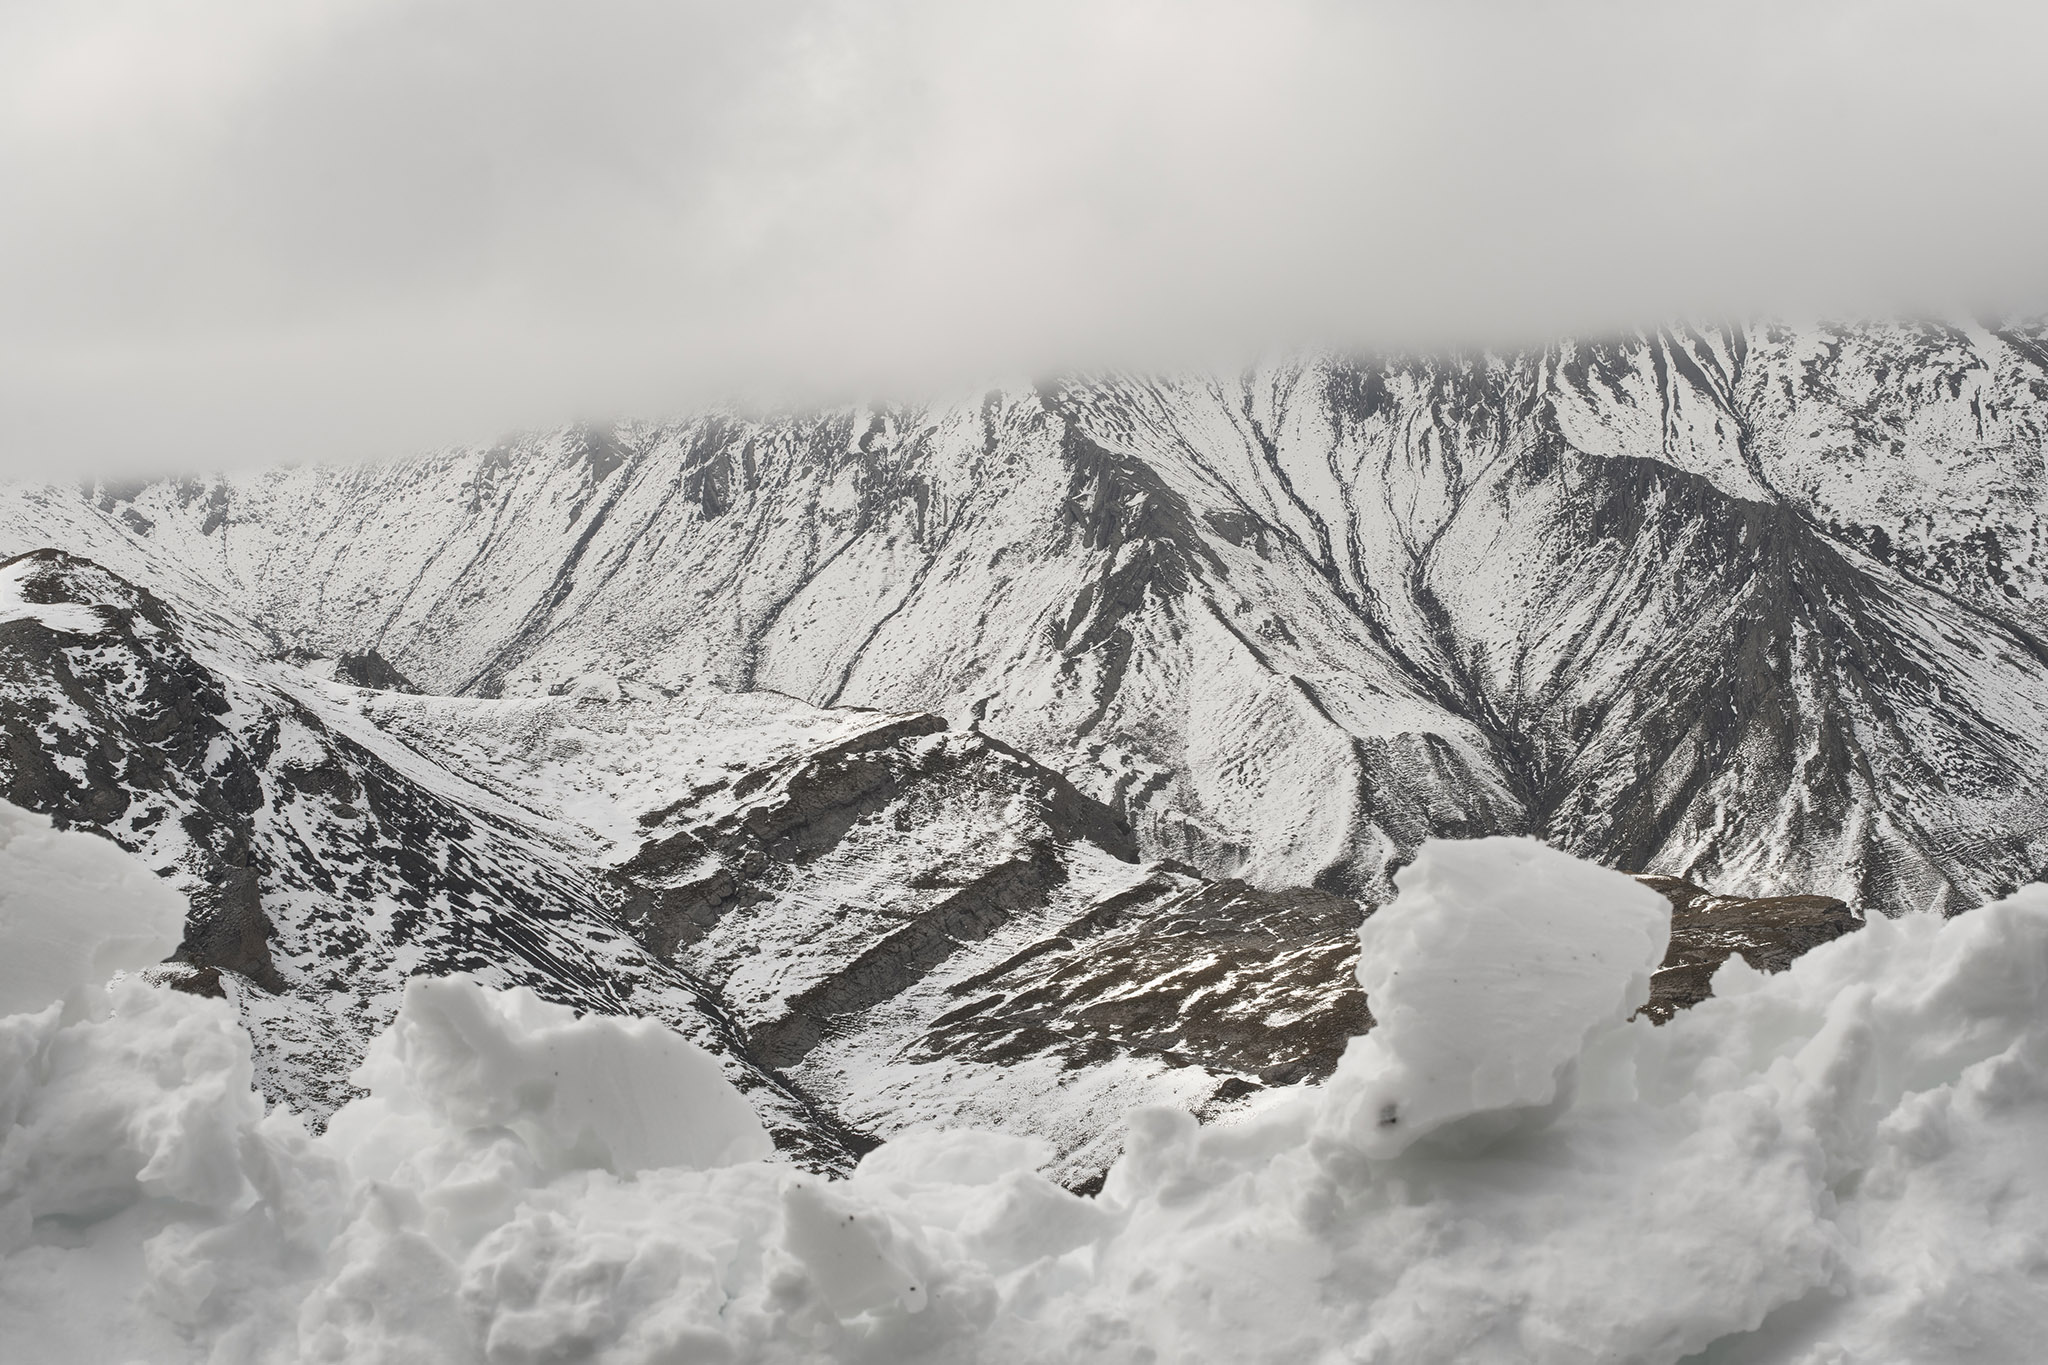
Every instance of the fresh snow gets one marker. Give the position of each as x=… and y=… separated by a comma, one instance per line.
x=1838, y=1163
x=74, y=910
x=619, y=1095
x=1486, y=976
x=67, y=617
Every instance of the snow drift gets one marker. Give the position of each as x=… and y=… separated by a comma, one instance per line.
x=1837, y=1163
x=74, y=911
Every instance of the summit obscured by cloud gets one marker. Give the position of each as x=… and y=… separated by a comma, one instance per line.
x=236, y=230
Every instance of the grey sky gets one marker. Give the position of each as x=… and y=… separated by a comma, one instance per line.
x=237, y=230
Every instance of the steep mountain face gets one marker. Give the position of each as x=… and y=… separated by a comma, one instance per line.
x=1759, y=607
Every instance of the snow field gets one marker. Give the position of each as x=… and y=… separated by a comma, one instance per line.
x=1839, y=1163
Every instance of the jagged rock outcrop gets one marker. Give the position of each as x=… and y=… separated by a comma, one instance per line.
x=371, y=669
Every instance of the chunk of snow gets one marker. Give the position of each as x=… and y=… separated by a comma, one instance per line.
x=1486, y=975
x=620, y=1095
x=847, y=1250
x=74, y=910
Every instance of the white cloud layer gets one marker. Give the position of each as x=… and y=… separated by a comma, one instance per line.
x=238, y=230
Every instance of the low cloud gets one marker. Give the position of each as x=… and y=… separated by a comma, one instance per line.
x=237, y=230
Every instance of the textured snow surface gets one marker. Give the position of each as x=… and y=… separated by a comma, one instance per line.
x=1486, y=974
x=620, y=1095
x=1839, y=1163
x=74, y=910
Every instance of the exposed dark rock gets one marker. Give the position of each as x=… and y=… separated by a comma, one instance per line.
x=1238, y=980
x=182, y=976
x=227, y=928
x=1769, y=932
x=1262, y=984
x=371, y=669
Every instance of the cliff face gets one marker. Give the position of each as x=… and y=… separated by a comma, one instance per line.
x=1759, y=607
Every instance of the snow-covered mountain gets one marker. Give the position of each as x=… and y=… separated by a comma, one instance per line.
x=1763, y=607
x=1019, y=761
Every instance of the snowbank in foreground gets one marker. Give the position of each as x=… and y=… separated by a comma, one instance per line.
x=73, y=911
x=1840, y=1163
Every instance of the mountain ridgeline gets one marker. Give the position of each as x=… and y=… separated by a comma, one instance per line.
x=1759, y=607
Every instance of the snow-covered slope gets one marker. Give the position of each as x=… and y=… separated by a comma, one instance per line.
x=1762, y=607
x=1837, y=1163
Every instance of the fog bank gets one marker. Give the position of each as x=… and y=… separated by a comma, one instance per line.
x=245, y=232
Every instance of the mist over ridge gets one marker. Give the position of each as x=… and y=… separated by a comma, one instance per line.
x=361, y=229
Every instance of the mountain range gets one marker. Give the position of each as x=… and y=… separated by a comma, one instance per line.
x=1018, y=759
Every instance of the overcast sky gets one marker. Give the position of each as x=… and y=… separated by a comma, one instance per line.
x=242, y=230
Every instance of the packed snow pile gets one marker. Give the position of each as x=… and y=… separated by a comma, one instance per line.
x=1486, y=976
x=1839, y=1163
x=74, y=910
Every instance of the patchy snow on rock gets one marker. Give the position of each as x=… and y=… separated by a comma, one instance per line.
x=1836, y=1163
